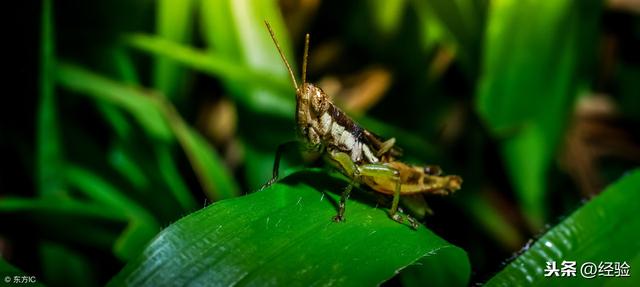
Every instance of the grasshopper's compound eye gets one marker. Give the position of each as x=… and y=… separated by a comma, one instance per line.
x=319, y=101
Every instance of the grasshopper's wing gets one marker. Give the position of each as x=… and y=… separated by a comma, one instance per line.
x=376, y=142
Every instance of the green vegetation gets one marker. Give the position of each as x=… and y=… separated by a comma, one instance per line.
x=585, y=236
x=150, y=125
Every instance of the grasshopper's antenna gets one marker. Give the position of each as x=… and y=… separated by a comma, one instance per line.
x=305, y=58
x=284, y=59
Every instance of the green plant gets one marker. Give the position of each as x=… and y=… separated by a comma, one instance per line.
x=142, y=122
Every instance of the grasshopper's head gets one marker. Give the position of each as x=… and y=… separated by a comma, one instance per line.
x=311, y=104
x=311, y=101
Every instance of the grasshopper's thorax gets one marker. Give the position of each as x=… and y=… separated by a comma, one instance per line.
x=322, y=124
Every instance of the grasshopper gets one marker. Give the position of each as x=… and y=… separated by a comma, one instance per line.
x=359, y=154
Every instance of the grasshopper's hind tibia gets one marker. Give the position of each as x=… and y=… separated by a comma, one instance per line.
x=372, y=170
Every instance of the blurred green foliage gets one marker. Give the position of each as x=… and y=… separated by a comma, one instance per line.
x=531, y=121
x=147, y=111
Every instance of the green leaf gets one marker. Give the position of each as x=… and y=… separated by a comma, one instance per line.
x=458, y=21
x=217, y=65
x=142, y=225
x=103, y=192
x=48, y=151
x=125, y=158
x=84, y=224
x=6, y=268
x=528, y=82
x=284, y=235
x=63, y=206
x=605, y=229
x=489, y=217
x=123, y=161
x=235, y=30
x=174, y=19
x=62, y=266
x=388, y=15
x=216, y=179
x=168, y=168
x=131, y=98
x=157, y=114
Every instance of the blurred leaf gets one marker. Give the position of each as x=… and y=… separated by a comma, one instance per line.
x=629, y=89
x=130, y=98
x=463, y=21
x=174, y=19
x=387, y=14
x=127, y=161
x=605, y=229
x=103, y=192
x=528, y=83
x=169, y=171
x=527, y=157
x=433, y=30
x=124, y=66
x=86, y=224
x=123, y=162
x=49, y=151
x=8, y=269
x=493, y=222
x=235, y=30
x=284, y=235
x=68, y=206
x=223, y=67
x=64, y=267
x=145, y=104
x=142, y=226
x=216, y=180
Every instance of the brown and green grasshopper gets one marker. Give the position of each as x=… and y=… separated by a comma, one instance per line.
x=358, y=153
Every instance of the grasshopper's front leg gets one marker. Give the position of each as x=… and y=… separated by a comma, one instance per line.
x=371, y=170
x=276, y=163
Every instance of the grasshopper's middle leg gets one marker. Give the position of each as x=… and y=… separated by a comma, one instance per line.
x=351, y=170
x=381, y=170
